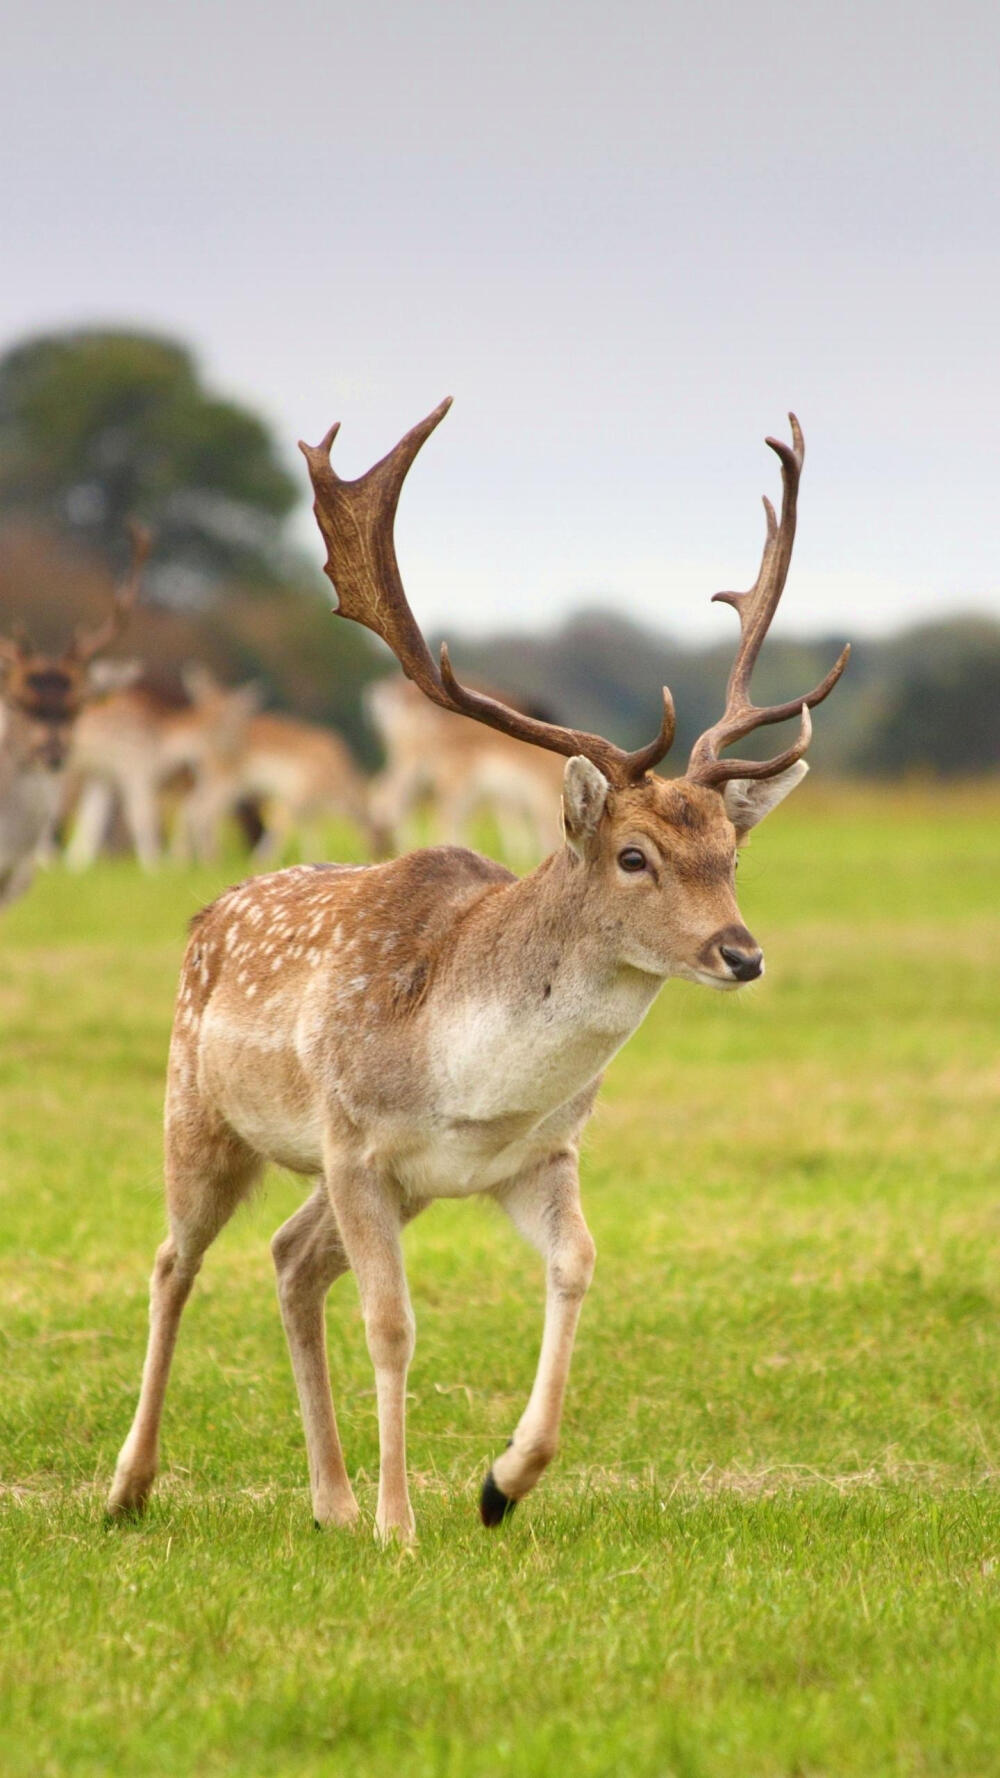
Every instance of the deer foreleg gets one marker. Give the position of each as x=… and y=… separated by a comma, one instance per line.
x=369, y=1216
x=545, y=1206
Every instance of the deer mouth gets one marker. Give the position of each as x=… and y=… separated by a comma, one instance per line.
x=723, y=984
x=725, y=980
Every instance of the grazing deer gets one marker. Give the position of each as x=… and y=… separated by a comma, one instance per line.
x=434, y=1027
x=42, y=698
x=297, y=773
x=127, y=748
x=460, y=767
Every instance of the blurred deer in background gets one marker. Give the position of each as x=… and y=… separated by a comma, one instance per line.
x=461, y=768
x=434, y=1027
x=299, y=775
x=41, y=700
x=128, y=748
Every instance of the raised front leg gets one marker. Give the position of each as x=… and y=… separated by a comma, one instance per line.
x=369, y=1216
x=545, y=1206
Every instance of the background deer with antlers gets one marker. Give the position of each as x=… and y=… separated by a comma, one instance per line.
x=41, y=697
x=434, y=1027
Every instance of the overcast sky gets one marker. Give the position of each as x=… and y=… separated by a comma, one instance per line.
x=626, y=239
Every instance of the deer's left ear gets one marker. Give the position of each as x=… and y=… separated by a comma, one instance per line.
x=585, y=795
x=748, y=800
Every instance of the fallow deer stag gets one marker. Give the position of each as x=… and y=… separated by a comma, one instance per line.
x=434, y=1027
x=41, y=697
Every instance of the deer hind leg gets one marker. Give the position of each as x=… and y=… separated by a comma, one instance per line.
x=203, y=1190
x=308, y=1257
x=545, y=1206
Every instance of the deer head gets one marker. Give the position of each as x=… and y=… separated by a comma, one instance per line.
x=656, y=857
x=47, y=692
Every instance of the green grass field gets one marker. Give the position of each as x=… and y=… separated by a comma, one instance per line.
x=771, y=1543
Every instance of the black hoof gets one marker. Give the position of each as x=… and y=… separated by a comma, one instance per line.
x=494, y=1505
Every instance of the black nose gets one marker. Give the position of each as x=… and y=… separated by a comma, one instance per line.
x=746, y=965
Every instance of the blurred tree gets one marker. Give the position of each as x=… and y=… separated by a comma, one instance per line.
x=940, y=710
x=97, y=426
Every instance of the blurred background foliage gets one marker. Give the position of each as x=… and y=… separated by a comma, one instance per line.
x=97, y=426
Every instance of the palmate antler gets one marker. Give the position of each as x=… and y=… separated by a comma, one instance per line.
x=356, y=519
x=755, y=610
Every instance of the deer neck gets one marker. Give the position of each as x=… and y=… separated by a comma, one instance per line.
x=535, y=999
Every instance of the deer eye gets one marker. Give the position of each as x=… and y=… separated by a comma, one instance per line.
x=632, y=859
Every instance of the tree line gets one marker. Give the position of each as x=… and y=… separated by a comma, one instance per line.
x=97, y=426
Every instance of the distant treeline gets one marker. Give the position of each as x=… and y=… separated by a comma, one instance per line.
x=926, y=700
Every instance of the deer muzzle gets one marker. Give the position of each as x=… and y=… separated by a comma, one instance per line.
x=738, y=953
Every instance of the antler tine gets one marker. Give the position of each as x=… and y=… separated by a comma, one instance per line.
x=755, y=610
x=356, y=521
x=85, y=646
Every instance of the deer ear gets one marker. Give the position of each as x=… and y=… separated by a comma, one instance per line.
x=585, y=795
x=748, y=800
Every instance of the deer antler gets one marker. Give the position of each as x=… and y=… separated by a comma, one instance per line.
x=85, y=645
x=356, y=520
x=755, y=610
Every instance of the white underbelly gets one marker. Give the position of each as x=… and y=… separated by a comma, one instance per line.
x=462, y=1159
